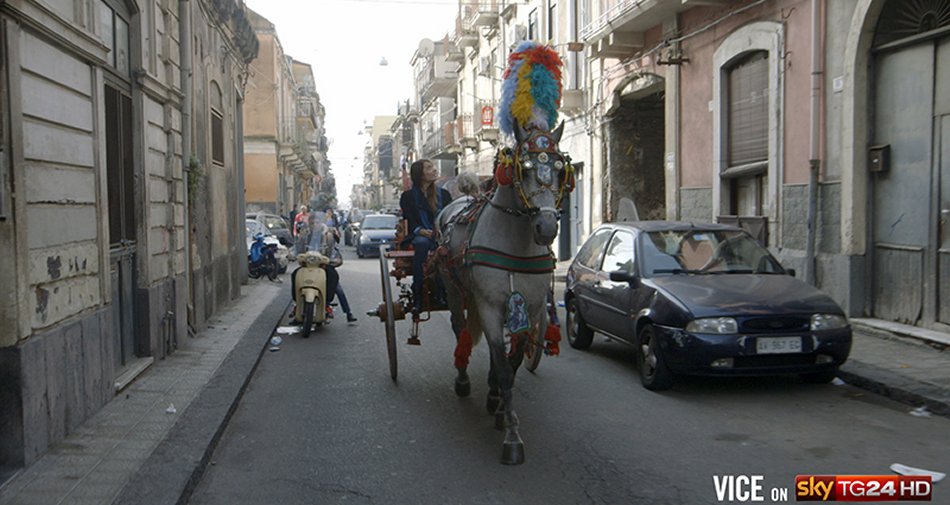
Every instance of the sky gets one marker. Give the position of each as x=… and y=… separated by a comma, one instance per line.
x=344, y=42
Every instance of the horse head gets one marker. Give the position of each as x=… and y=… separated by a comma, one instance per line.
x=541, y=175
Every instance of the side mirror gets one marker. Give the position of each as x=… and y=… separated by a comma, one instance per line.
x=790, y=271
x=629, y=278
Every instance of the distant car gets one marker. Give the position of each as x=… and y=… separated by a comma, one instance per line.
x=252, y=228
x=277, y=225
x=701, y=299
x=376, y=230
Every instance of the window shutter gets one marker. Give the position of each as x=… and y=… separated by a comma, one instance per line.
x=749, y=109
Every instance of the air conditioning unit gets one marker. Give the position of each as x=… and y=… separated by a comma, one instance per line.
x=515, y=34
x=484, y=67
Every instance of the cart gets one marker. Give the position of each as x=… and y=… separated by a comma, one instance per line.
x=395, y=268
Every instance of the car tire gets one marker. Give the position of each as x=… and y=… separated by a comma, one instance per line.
x=654, y=374
x=820, y=377
x=579, y=335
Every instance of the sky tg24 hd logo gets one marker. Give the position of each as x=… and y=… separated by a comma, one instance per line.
x=863, y=488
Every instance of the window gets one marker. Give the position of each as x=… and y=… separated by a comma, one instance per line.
x=619, y=256
x=748, y=96
x=217, y=125
x=113, y=28
x=533, y=25
x=590, y=254
x=552, y=22
x=747, y=126
x=748, y=133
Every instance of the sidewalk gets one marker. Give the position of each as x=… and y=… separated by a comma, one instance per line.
x=202, y=380
x=135, y=452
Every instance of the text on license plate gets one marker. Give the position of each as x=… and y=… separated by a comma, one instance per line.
x=778, y=345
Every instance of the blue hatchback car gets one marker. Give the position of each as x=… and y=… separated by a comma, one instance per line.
x=702, y=299
x=376, y=230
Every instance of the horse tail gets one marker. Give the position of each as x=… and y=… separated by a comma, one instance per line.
x=474, y=324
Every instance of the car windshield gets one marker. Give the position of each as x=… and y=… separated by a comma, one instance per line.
x=705, y=252
x=274, y=223
x=379, y=223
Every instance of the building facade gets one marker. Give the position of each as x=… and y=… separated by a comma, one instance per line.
x=119, y=197
x=791, y=118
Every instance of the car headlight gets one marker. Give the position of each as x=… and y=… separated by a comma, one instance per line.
x=827, y=322
x=720, y=325
x=364, y=239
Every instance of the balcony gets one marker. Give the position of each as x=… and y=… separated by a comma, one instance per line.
x=449, y=132
x=465, y=36
x=453, y=52
x=434, y=78
x=486, y=127
x=629, y=19
x=484, y=13
x=464, y=132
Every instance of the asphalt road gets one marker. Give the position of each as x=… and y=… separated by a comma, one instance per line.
x=322, y=422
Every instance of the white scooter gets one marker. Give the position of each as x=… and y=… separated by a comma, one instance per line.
x=309, y=285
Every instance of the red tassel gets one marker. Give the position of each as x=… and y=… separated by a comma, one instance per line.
x=463, y=349
x=552, y=338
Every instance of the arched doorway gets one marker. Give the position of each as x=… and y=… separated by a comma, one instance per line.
x=909, y=163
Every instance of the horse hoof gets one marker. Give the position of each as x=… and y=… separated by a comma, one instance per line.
x=492, y=404
x=512, y=453
x=463, y=388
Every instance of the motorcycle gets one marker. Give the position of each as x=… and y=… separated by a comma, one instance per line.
x=309, y=287
x=262, y=259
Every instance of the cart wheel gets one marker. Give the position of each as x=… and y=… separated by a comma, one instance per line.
x=390, y=310
x=534, y=347
x=533, y=350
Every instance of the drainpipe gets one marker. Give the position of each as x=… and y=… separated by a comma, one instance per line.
x=185, y=57
x=813, y=145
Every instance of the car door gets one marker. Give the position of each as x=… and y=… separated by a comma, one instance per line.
x=616, y=297
x=586, y=269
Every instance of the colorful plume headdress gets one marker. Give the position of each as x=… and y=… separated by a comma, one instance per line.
x=531, y=91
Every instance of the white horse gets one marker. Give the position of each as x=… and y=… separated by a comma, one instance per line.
x=497, y=267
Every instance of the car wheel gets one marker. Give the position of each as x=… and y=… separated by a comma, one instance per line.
x=653, y=370
x=820, y=377
x=579, y=335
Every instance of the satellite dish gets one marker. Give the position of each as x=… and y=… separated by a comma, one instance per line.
x=426, y=47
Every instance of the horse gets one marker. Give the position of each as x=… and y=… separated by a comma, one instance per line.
x=496, y=264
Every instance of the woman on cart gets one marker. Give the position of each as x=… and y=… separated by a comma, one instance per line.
x=420, y=204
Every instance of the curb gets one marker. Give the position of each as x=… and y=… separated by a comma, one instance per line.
x=173, y=470
x=895, y=387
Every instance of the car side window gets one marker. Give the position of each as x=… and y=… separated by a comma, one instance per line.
x=593, y=250
x=619, y=257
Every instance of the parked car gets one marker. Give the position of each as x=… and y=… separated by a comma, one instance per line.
x=701, y=299
x=253, y=227
x=277, y=225
x=376, y=230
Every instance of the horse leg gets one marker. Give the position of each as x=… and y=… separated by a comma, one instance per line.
x=513, y=446
x=493, y=402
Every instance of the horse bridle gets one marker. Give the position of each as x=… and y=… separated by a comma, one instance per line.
x=528, y=146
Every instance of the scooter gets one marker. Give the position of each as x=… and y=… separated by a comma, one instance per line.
x=262, y=259
x=309, y=286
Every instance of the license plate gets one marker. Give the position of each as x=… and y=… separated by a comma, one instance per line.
x=778, y=345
